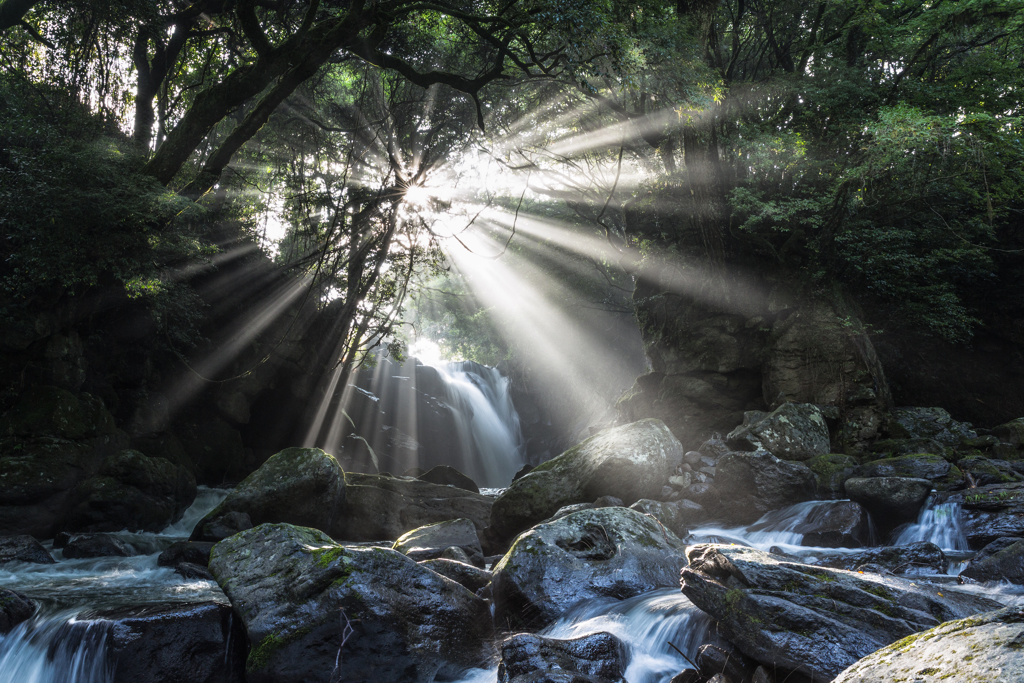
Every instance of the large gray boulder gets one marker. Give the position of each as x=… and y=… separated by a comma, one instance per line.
x=808, y=619
x=758, y=483
x=891, y=501
x=23, y=548
x=307, y=487
x=793, y=431
x=934, y=468
x=598, y=655
x=629, y=462
x=1000, y=560
x=990, y=512
x=930, y=423
x=428, y=542
x=985, y=647
x=295, y=591
x=605, y=552
x=921, y=558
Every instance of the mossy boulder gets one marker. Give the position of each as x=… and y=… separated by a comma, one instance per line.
x=934, y=468
x=132, y=491
x=930, y=423
x=982, y=648
x=831, y=470
x=793, y=431
x=990, y=512
x=628, y=462
x=605, y=552
x=296, y=590
x=986, y=471
x=56, y=412
x=1011, y=432
x=815, y=621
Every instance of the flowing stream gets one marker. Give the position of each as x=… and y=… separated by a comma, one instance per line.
x=61, y=643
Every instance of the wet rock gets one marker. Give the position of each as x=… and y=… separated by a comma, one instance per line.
x=834, y=524
x=293, y=587
x=191, y=571
x=987, y=471
x=601, y=656
x=429, y=542
x=132, y=491
x=831, y=471
x=97, y=545
x=449, y=476
x=705, y=495
x=990, y=512
x=463, y=573
x=793, y=431
x=931, y=423
x=984, y=647
x=914, y=559
x=896, y=447
x=225, y=524
x=727, y=661
x=629, y=462
x=674, y=515
x=523, y=471
x=14, y=609
x=458, y=554
x=688, y=676
x=1011, y=432
x=1002, y=559
x=23, y=548
x=758, y=483
x=607, y=552
x=934, y=468
x=812, y=620
x=891, y=501
x=186, y=643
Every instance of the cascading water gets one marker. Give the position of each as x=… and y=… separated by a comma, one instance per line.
x=651, y=625
x=61, y=643
x=487, y=423
x=938, y=524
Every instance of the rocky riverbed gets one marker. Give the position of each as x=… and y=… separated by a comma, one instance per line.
x=758, y=556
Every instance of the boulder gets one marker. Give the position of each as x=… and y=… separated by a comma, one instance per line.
x=449, y=476
x=97, y=545
x=989, y=512
x=599, y=655
x=812, y=620
x=984, y=647
x=463, y=573
x=930, y=423
x=14, y=609
x=914, y=559
x=1002, y=559
x=1011, y=432
x=987, y=471
x=191, y=571
x=629, y=462
x=831, y=471
x=296, y=592
x=793, y=431
x=895, y=447
x=55, y=412
x=428, y=542
x=936, y=469
x=134, y=492
x=606, y=552
x=177, y=643
x=758, y=483
x=224, y=524
x=725, y=660
x=675, y=516
x=832, y=524
x=891, y=501
x=193, y=552
x=23, y=548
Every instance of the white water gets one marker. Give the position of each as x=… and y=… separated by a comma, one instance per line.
x=60, y=643
x=646, y=624
x=487, y=423
x=938, y=524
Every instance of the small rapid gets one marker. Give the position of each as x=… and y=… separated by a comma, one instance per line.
x=938, y=524
x=62, y=642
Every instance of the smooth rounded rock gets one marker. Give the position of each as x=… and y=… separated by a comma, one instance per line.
x=892, y=501
x=98, y=545
x=758, y=483
x=23, y=548
x=431, y=541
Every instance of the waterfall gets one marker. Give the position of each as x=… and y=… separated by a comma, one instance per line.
x=647, y=624
x=486, y=422
x=61, y=643
x=938, y=524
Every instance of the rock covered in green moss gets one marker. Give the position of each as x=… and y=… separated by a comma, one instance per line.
x=793, y=431
x=295, y=590
x=989, y=512
x=629, y=462
x=132, y=491
x=831, y=471
x=986, y=471
x=604, y=552
x=934, y=468
x=808, y=619
x=979, y=649
x=755, y=483
x=1011, y=432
